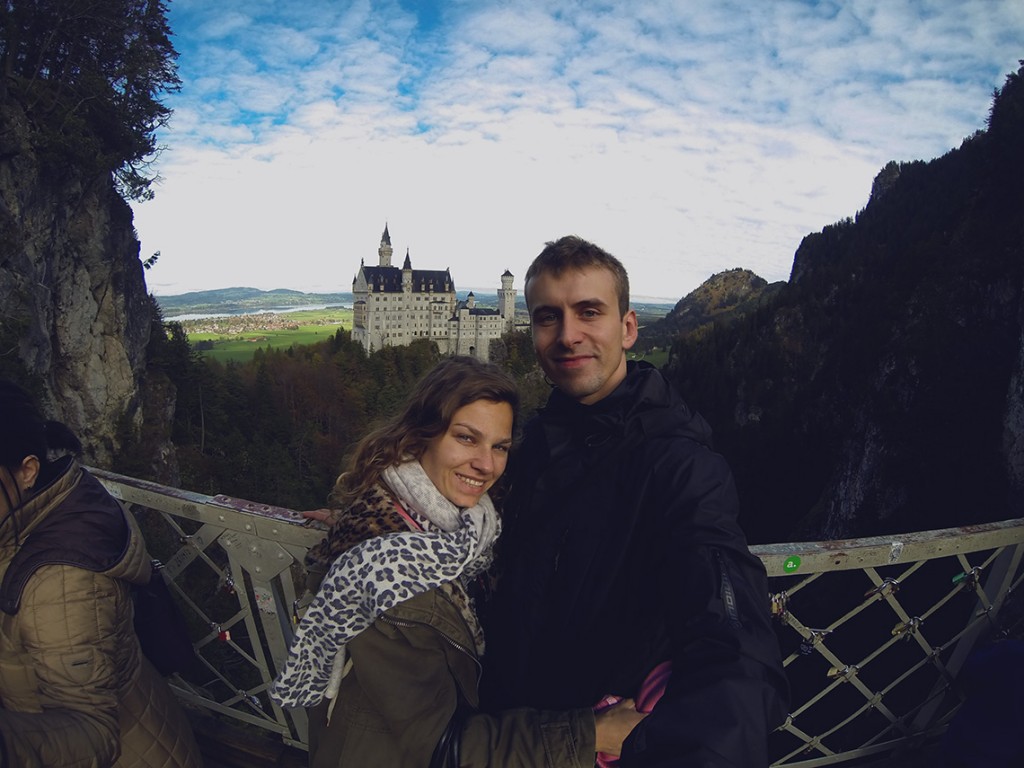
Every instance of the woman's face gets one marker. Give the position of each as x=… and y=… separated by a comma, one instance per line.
x=466, y=460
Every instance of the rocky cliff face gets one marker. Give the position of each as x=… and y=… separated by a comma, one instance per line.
x=74, y=311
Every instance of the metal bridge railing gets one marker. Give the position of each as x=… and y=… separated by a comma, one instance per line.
x=873, y=631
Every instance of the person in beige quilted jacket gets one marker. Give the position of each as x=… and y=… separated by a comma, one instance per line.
x=75, y=688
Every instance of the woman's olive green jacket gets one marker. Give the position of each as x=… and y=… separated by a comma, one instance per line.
x=411, y=670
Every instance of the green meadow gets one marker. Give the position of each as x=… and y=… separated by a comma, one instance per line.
x=236, y=338
x=656, y=357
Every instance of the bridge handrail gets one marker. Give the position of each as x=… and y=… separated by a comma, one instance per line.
x=859, y=686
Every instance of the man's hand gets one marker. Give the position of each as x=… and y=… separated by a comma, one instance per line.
x=614, y=724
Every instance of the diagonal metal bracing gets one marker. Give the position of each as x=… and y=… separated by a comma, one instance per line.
x=940, y=592
x=873, y=631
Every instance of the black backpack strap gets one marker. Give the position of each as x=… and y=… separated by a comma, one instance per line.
x=446, y=753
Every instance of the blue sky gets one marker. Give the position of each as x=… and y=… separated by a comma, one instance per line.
x=685, y=137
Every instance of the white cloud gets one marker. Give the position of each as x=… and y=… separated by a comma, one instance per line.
x=686, y=139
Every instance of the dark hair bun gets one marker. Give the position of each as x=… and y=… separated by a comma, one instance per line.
x=26, y=432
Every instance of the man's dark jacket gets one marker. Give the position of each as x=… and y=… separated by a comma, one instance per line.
x=622, y=550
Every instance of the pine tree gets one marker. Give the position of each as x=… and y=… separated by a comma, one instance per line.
x=89, y=75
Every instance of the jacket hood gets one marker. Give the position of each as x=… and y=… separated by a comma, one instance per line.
x=72, y=520
x=17, y=523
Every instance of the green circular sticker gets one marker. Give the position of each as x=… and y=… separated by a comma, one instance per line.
x=791, y=564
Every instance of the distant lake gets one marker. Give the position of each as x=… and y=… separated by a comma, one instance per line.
x=265, y=311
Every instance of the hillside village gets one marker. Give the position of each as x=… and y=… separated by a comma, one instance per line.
x=231, y=325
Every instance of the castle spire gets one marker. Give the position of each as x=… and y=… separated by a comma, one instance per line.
x=384, y=251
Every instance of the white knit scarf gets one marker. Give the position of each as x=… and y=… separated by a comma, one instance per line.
x=380, y=573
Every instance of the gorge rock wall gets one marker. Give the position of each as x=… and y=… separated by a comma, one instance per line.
x=74, y=311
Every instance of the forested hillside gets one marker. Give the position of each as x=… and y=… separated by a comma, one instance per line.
x=720, y=300
x=276, y=429
x=881, y=389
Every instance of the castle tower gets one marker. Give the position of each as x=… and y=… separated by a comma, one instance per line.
x=507, y=301
x=384, y=251
x=407, y=274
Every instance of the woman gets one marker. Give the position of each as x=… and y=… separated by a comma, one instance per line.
x=391, y=637
x=75, y=689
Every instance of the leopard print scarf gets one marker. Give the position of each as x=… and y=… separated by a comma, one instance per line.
x=371, y=514
x=379, y=573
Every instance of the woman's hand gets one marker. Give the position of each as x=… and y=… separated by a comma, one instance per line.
x=614, y=724
x=322, y=515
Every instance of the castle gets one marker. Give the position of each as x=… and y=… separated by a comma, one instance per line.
x=393, y=307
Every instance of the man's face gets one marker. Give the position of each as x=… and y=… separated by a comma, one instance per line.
x=579, y=337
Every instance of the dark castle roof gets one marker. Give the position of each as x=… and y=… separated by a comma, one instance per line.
x=389, y=280
x=464, y=306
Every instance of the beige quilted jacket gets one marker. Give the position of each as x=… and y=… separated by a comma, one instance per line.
x=75, y=689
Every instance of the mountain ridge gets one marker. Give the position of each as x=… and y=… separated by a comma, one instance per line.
x=241, y=299
x=882, y=388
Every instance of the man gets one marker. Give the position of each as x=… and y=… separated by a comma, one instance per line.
x=621, y=548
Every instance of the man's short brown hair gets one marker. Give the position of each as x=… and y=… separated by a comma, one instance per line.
x=572, y=252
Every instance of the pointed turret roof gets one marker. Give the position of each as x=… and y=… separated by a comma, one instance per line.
x=386, y=237
x=408, y=263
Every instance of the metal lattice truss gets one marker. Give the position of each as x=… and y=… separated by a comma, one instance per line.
x=873, y=631
x=233, y=565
